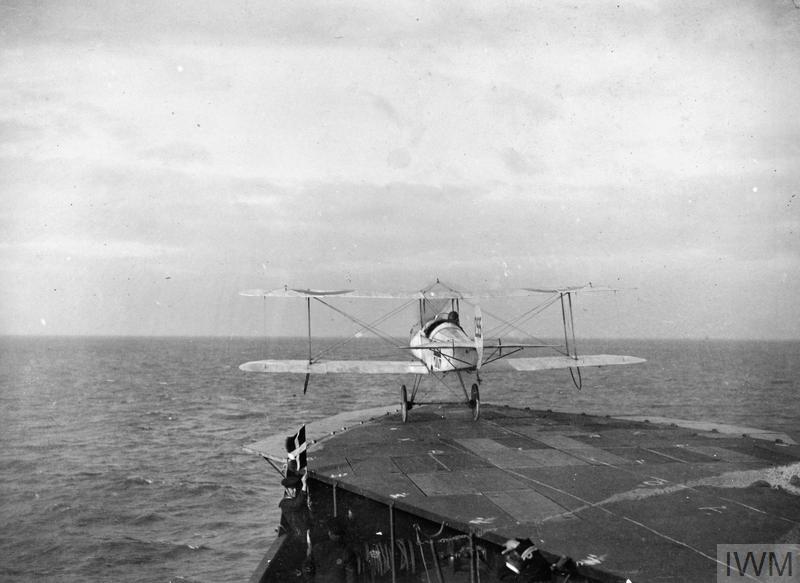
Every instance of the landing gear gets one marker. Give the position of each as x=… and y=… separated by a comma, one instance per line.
x=475, y=402
x=407, y=404
x=472, y=398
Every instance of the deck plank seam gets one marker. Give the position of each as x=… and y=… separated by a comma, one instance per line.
x=676, y=485
x=600, y=505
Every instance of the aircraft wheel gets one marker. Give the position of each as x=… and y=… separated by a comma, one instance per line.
x=404, y=403
x=475, y=402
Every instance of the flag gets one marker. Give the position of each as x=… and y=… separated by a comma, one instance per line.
x=298, y=454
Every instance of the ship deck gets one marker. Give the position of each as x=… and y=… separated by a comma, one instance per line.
x=626, y=498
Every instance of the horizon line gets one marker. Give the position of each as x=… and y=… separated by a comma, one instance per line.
x=334, y=337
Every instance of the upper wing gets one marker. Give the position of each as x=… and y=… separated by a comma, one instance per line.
x=536, y=363
x=435, y=291
x=286, y=292
x=336, y=366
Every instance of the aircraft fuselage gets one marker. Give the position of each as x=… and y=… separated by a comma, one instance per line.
x=444, y=358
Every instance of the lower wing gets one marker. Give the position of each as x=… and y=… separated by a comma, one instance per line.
x=530, y=364
x=552, y=362
x=336, y=366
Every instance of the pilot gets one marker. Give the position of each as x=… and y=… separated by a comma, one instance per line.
x=524, y=563
x=451, y=317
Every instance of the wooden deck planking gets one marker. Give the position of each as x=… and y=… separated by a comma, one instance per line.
x=634, y=495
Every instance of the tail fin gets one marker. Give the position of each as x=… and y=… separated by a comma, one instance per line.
x=478, y=336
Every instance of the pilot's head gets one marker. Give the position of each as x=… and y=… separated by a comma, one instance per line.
x=453, y=317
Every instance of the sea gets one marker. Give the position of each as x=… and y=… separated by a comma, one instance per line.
x=122, y=460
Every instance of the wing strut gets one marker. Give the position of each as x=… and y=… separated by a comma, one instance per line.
x=569, y=335
x=569, y=325
x=308, y=313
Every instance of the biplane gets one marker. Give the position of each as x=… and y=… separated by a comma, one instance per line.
x=439, y=343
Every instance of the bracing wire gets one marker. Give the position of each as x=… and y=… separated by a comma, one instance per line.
x=370, y=327
x=523, y=318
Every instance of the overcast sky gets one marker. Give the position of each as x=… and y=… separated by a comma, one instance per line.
x=157, y=157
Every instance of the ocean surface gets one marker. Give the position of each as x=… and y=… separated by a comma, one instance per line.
x=122, y=458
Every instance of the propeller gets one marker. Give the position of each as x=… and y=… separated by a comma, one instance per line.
x=478, y=336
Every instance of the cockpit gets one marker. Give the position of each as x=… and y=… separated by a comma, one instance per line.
x=450, y=317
